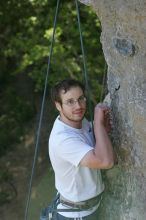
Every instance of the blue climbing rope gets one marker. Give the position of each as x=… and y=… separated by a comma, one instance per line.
x=84, y=64
x=41, y=113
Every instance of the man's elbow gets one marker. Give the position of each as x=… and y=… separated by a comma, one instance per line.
x=108, y=164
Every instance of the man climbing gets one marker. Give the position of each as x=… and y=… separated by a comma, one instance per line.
x=76, y=154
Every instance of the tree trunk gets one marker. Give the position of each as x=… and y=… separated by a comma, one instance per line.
x=124, y=44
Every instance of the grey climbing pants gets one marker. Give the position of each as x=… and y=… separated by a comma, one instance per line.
x=93, y=216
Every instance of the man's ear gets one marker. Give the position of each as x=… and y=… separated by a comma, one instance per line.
x=58, y=106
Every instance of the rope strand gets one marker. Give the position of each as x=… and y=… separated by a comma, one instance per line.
x=84, y=63
x=41, y=114
x=103, y=82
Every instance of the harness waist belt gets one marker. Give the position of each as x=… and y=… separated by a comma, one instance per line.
x=83, y=205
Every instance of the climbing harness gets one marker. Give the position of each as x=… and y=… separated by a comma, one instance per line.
x=51, y=210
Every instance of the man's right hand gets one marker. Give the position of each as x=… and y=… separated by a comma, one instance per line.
x=102, y=116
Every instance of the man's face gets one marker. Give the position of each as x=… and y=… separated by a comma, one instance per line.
x=73, y=106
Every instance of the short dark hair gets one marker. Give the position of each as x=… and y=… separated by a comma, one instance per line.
x=65, y=85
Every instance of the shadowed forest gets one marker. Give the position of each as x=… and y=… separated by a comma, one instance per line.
x=25, y=37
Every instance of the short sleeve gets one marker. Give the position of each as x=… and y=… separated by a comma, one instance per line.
x=73, y=149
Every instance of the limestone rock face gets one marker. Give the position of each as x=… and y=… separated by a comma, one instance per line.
x=124, y=44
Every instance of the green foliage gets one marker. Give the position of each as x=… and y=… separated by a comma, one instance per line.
x=14, y=115
x=7, y=189
x=25, y=38
x=30, y=37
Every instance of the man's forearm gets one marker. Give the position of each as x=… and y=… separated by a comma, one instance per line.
x=103, y=147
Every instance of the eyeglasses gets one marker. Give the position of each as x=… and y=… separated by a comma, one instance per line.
x=72, y=102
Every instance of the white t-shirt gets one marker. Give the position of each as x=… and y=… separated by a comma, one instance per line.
x=67, y=147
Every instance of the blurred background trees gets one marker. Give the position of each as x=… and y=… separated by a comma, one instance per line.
x=25, y=35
